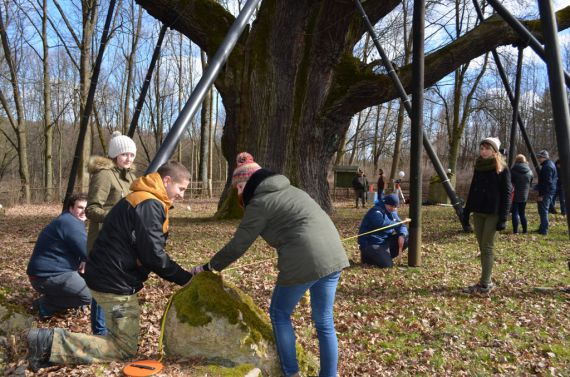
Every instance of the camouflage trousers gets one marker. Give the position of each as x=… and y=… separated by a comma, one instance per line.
x=122, y=314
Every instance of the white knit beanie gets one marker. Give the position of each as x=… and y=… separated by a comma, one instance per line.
x=120, y=144
x=493, y=142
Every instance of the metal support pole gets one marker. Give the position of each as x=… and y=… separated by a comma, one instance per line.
x=415, y=244
x=404, y=97
x=84, y=122
x=507, y=86
x=513, y=138
x=524, y=33
x=557, y=94
x=208, y=78
x=146, y=83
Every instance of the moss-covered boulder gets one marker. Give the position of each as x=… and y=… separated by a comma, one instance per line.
x=213, y=319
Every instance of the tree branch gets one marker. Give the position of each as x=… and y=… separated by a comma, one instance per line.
x=205, y=22
x=366, y=89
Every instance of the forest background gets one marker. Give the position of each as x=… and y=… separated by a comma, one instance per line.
x=49, y=48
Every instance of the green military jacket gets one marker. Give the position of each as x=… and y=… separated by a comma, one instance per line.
x=108, y=184
x=287, y=218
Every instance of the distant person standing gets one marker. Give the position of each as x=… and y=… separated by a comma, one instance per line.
x=559, y=193
x=58, y=257
x=359, y=184
x=110, y=181
x=546, y=188
x=521, y=178
x=489, y=200
x=381, y=184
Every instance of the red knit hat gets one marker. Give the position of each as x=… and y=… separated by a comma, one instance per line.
x=245, y=168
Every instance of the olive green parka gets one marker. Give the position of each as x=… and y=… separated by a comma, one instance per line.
x=107, y=185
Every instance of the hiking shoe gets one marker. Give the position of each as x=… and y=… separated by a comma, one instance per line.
x=40, y=308
x=39, y=348
x=479, y=288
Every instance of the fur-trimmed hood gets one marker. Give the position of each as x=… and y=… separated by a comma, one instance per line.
x=98, y=163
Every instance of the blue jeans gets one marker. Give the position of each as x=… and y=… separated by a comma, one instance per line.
x=519, y=213
x=98, y=326
x=283, y=302
x=560, y=195
x=543, y=213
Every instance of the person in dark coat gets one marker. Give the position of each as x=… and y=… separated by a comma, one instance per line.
x=58, y=259
x=381, y=184
x=521, y=178
x=360, y=184
x=379, y=248
x=559, y=193
x=489, y=201
x=546, y=188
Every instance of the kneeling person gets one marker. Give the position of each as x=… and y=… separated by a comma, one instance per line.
x=379, y=248
x=57, y=259
x=129, y=246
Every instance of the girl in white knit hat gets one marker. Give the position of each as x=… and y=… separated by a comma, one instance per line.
x=110, y=180
x=489, y=200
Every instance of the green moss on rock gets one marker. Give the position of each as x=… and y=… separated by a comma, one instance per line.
x=219, y=371
x=230, y=208
x=207, y=294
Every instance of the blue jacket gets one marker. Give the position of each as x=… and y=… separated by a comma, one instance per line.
x=547, y=179
x=379, y=217
x=60, y=247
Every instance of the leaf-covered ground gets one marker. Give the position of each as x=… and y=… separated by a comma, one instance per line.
x=400, y=321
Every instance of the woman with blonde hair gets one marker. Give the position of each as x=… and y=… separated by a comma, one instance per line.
x=489, y=200
x=521, y=178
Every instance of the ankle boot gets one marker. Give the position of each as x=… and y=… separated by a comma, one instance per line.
x=39, y=348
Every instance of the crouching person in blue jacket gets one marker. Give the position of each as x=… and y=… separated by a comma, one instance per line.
x=379, y=248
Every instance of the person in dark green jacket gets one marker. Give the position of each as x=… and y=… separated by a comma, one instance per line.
x=310, y=256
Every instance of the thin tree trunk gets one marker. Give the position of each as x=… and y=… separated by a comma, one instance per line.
x=48, y=126
x=398, y=142
x=19, y=125
x=204, y=131
x=130, y=66
x=89, y=9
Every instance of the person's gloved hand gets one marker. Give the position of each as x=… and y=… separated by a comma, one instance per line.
x=201, y=268
x=501, y=225
x=196, y=270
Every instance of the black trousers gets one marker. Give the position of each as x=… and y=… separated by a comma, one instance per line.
x=381, y=255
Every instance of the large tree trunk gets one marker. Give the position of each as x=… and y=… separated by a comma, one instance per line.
x=292, y=85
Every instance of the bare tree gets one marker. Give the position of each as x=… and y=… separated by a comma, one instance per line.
x=18, y=123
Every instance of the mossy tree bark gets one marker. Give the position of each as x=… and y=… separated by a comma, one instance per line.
x=292, y=85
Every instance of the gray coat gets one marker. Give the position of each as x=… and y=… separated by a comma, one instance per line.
x=521, y=178
x=307, y=242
